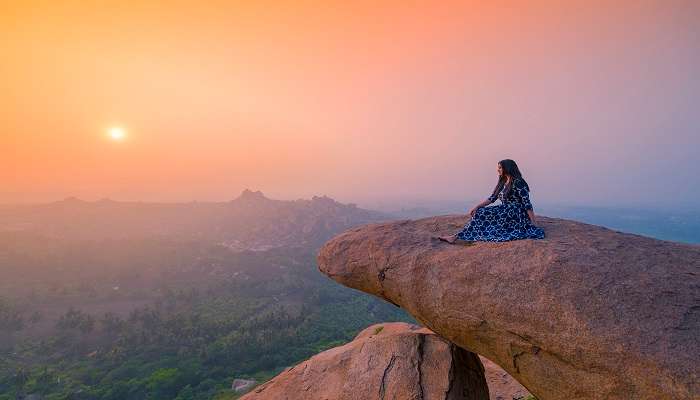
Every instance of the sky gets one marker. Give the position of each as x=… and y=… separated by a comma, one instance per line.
x=362, y=101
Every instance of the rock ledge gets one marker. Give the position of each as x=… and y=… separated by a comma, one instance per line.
x=587, y=313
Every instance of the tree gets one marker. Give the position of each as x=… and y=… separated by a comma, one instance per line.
x=163, y=383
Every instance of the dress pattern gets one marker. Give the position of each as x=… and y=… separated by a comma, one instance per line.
x=505, y=221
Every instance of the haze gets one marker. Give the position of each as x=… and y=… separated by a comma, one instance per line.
x=360, y=101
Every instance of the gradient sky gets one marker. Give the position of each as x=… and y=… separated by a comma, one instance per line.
x=360, y=101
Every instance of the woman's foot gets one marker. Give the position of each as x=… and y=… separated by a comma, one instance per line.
x=448, y=239
x=454, y=240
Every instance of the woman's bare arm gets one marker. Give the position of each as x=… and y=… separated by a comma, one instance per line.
x=478, y=206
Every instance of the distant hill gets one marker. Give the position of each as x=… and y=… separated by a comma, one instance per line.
x=250, y=221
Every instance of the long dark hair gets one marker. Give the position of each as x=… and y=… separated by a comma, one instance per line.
x=509, y=168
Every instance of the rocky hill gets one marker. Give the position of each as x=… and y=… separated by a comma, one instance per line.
x=587, y=313
x=406, y=360
x=385, y=361
x=250, y=221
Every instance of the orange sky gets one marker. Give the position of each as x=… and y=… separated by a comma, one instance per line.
x=356, y=100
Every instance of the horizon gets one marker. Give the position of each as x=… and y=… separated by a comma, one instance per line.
x=381, y=205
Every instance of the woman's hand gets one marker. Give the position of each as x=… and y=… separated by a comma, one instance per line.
x=478, y=206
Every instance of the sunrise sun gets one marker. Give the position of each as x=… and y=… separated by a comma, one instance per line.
x=116, y=133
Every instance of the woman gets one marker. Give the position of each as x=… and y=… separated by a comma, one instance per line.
x=511, y=220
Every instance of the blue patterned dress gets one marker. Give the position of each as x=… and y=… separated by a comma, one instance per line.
x=506, y=221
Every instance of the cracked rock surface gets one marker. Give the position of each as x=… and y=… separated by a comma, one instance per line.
x=586, y=313
x=400, y=361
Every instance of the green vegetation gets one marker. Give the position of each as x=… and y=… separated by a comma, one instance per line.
x=192, y=352
x=179, y=338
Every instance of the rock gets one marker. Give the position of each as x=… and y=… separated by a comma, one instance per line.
x=241, y=385
x=393, y=360
x=587, y=313
x=501, y=385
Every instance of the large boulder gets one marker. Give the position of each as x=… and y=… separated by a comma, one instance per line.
x=393, y=360
x=586, y=313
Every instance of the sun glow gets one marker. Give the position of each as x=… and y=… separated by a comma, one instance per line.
x=116, y=133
